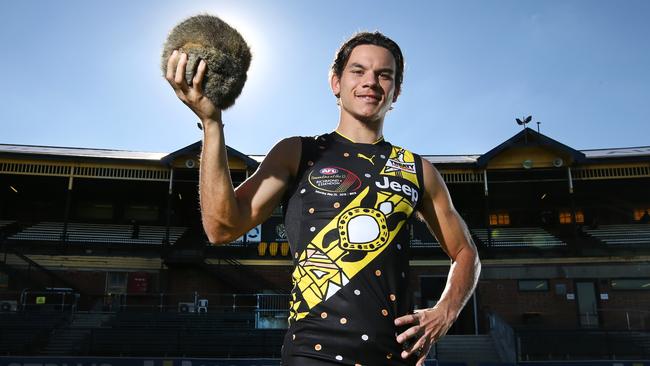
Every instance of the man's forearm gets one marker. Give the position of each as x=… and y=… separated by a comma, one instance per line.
x=461, y=281
x=218, y=202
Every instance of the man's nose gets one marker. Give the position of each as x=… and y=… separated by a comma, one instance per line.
x=370, y=79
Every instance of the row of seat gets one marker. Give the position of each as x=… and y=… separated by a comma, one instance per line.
x=214, y=343
x=100, y=233
x=4, y=223
x=25, y=332
x=188, y=321
x=500, y=237
x=621, y=234
x=504, y=237
x=573, y=345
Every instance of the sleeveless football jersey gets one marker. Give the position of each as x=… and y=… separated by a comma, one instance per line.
x=346, y=223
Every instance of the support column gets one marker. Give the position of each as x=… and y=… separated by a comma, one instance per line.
x=486, y=194
x=170, y=190
x=573, y=206
x=68, y=199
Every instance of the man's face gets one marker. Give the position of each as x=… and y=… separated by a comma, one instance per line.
x=366, y=86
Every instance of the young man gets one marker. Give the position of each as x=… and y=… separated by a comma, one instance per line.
x=347, y=196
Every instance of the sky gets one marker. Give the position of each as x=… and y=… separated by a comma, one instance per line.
x=87, y=73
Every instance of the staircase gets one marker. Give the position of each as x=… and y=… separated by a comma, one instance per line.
x=68, y=341
x=470, y=349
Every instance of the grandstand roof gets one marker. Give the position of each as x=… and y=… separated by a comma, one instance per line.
x=608, y=154
x=77, y=152
x=89, y=153
x=618, y=152
x=195, y=147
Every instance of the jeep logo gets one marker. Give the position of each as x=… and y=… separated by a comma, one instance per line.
x=400, y=188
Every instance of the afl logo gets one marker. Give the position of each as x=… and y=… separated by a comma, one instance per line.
x=334, y=181
x=329, y=171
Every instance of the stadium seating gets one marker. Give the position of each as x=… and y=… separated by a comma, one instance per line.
x=621, y=234
x=4, y=223
x=506, y=237
x=221, y=334
x=24, y=333
x=583, y=345
x=98, y=233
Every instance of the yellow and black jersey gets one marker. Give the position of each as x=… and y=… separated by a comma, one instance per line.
x=346, y=222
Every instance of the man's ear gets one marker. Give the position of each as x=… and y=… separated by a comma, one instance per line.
x=335, y=84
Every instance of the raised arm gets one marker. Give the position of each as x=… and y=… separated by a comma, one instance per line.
x=228, y=213
x=448, y=227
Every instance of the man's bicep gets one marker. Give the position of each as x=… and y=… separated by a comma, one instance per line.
x=439, y=213
x=263, y=191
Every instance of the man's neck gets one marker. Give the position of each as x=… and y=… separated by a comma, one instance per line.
x=360, y=132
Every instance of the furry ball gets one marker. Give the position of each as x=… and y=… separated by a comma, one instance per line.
x=228, y=57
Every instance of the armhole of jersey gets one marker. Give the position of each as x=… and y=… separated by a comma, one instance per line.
x=420, y=177
x=302, y=166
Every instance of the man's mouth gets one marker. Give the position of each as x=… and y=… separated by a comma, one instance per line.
x=369, y=97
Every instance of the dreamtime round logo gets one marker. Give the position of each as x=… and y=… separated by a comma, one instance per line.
x=334, y=180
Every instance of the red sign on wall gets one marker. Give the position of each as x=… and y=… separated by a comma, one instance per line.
x=138, y=282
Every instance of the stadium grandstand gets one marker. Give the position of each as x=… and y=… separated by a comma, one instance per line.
x=103, y=255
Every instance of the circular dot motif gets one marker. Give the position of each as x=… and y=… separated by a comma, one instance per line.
x=377, y=273
x=382, y=156
x=302, y=191
x=368, y=175
x=357, y=292
x=310, y=163
x=346, y=154
x=399, y=247
x=384, y=312
x=293, y=336
x=312, y=229
x=389, y=356
x=311, y=210
x=337, y=205
x=364, y=337
x=318, y=347
x=323, y=315
x=392, y=297
x=343, y=321
x=339, y=357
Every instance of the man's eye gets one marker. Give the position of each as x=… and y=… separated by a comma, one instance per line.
x=357, y=72
x=386, y=76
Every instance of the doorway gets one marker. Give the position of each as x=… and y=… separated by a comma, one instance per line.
x=587, y=304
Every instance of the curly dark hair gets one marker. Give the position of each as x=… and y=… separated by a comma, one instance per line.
x=372, y=38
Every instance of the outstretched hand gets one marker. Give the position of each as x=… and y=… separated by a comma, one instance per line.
x=426, y=327
x=192, y=95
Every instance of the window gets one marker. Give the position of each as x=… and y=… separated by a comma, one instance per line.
x=631, y=284
x=533, y=285
x=638, y=213
x=498, y=219
x=116, y=282
x=4, y=280
x=565, y=217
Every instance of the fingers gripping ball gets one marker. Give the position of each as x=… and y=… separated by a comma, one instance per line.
x=206, y=37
